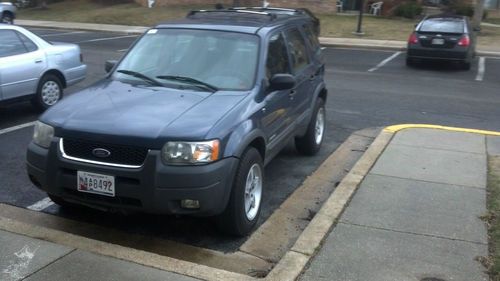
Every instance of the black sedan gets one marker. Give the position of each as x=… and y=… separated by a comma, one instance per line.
x=442, y=37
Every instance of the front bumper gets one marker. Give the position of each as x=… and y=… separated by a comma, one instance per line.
x=152, y=188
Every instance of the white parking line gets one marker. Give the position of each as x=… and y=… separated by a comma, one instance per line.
x=15, y=128
x=105, y=39
x=61, y=34
x=41, y=205
x=384, y=62
x=481, y=69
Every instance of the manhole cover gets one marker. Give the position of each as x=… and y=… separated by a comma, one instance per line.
x=432, y=279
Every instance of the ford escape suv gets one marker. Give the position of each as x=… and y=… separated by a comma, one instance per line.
x=185, y=122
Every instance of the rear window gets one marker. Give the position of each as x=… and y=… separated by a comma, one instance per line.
x=442, y=25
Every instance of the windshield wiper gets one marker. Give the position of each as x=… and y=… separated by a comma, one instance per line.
x=189, y=80
x=141, y=76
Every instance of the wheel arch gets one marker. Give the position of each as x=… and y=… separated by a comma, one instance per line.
x=56, y=73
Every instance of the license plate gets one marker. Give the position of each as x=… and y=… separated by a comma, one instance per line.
x=438, y=41
x=96, y=183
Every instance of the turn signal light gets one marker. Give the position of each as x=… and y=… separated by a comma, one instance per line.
x=413, y=39
x=464, y=41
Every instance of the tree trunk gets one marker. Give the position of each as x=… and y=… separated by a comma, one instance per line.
x=478, y=14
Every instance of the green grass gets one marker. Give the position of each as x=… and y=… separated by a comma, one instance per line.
x=133, y=14
x=493, y=218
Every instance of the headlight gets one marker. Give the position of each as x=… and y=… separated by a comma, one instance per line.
x=190, y=152
x=43, y=134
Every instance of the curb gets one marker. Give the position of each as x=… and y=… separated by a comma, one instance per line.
x=309, y=242
x=397, y=128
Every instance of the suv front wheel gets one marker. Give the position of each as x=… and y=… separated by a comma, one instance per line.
x=243, y=210
x=311, y=142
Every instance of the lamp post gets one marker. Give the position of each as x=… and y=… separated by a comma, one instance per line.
x=359, y=31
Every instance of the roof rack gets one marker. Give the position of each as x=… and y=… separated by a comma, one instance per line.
x=245, y=11
x=266, y=8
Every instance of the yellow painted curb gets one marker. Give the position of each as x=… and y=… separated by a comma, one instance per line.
x=396, y=128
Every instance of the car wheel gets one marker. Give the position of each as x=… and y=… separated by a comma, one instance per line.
x=311, y=142
x=7, y=18
x=49, y=92
x=410, y=62
x=243, y=210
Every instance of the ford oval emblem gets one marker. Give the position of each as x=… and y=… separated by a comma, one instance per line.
x=101, y=152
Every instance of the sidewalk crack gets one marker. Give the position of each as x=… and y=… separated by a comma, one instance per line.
x=434, y=182
x=47, y=265
x=413, y=233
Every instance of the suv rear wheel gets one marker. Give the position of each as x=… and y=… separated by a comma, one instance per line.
x=243, y=210
x=311, y=142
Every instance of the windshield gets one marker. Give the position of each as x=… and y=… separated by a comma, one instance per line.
x=226, y=60
x=442, y=25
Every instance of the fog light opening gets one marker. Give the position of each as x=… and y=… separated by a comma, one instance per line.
x=190, y=204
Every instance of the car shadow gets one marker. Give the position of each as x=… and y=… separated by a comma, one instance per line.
x=444, y=66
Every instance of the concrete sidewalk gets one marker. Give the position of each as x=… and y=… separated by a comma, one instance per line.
x=325, y=41
x=416, y=213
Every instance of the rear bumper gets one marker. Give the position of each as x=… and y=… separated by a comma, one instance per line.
x=152, y=188
x=457, y=53
x=75, y=75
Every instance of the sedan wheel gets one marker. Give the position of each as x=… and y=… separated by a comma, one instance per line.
x=49, y=92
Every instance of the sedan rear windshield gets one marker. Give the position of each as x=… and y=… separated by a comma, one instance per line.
x=442, y=25
x=225, y=60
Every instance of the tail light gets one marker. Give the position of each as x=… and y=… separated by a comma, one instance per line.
x=464, y=41
x=413, y=39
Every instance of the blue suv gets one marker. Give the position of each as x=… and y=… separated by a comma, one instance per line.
x=186, y=121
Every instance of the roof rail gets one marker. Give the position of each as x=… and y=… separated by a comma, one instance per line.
x=232, y=10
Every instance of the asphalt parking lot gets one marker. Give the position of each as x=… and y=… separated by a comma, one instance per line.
x=367, y=88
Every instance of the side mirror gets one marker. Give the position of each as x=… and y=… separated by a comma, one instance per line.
x=109, y=64
x=282, y=82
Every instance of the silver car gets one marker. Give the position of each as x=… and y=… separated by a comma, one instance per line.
x=7, y=12
x=31, y=67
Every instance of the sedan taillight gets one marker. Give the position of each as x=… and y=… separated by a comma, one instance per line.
x=413, y=39
x=464, y=41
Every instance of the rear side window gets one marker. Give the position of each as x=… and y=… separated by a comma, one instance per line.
x=27, y=43
x=298, y=51
x=10, y=44
x=442, y=25
x=277, y=56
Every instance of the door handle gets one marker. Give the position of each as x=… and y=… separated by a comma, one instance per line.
x=38, y=61
x=312, y=77
x=292, y=94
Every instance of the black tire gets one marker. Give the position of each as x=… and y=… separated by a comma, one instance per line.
x=7, y=18
x=410, y=62
x=49, y=92
x=234, y=220
x=309, y=143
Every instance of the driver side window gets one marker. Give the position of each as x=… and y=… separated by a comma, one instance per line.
x=277, y=56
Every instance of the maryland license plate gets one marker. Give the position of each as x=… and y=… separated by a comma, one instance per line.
x=96, y=183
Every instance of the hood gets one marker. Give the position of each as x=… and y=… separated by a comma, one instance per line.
x=120, y=113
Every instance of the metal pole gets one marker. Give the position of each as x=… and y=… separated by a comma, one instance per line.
x=359, y=31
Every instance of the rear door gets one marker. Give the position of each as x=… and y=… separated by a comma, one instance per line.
x=21, y=64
